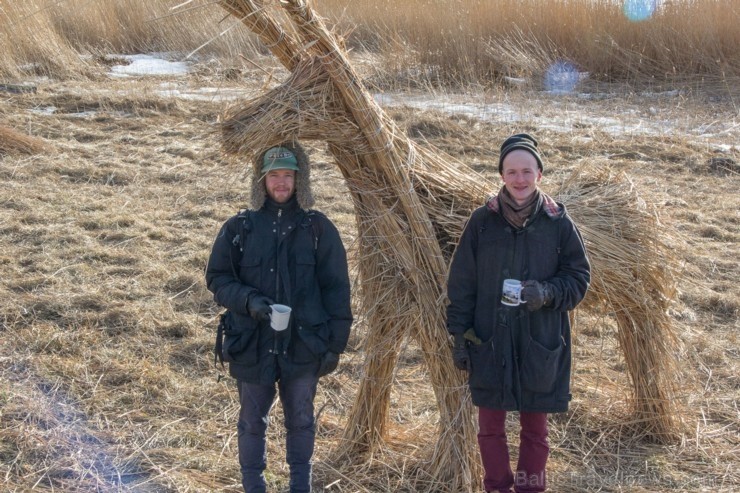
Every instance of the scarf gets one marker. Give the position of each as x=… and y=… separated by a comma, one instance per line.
x=518, y=215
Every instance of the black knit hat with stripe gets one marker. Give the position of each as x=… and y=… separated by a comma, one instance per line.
x=519, y=141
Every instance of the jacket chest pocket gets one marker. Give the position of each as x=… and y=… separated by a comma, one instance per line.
x=543, y=256
x=305, y=271
x=495, y=253
x=250, y=270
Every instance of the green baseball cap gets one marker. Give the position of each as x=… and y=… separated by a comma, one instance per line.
x=279, y=158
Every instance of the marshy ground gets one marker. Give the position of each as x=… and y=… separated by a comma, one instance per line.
x=108, y=381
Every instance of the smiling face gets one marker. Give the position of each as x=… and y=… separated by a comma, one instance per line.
x=521, y=175
x=280, y=184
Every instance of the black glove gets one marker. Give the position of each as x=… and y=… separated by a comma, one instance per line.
x=329, y=363
x=460, y=355
x=536, y=294
x=258, y=306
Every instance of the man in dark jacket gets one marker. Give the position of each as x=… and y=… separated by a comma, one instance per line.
x=280, y=252
x=518, y=357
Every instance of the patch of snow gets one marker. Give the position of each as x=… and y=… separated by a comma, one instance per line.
x=206, y=94
x=53, y=110
x=30, y=67
x=663, y=94
x=148, y=65
x=454, y=105
x=82, y=114
x=516, y=81
x=45, y=110
x=727, y=147
x=566, y=117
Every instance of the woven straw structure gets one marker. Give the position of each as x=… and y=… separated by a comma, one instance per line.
x=411, y=204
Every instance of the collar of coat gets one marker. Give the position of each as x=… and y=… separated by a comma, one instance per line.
x=289, y=207
x=551, y=208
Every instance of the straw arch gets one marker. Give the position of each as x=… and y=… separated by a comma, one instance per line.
x=411, y=204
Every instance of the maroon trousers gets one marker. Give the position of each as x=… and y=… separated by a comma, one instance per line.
x=529, y=476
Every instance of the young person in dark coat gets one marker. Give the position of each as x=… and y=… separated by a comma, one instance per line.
x=280, y=252
x=518, y=357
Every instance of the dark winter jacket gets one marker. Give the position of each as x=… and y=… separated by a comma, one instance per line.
x=524, y=360
x=296, y=258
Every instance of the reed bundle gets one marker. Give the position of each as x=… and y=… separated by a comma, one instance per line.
x=14, y=142
x=411, y=204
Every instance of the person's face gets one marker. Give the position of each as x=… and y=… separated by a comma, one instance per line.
x=280, y=184
x=521, y=175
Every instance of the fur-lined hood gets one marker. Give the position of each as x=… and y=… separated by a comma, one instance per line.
x=302, y=178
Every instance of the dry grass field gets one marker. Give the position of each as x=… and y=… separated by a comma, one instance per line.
x=113, y=189
x=107, y=328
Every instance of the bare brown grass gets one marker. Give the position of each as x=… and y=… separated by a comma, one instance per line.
x=106, y=376
x=15, y=142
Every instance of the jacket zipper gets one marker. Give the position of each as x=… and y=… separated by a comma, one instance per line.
x=277, y=257
x=275, y=344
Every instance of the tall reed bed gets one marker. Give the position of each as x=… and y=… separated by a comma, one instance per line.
x=481, y=41
x=430, y=41
x=64, y=39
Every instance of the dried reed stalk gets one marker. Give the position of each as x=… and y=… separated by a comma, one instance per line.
x=411, y=205
x=14, y=142
x=254, y=15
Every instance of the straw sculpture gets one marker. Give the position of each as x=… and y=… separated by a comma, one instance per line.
x=411, y=204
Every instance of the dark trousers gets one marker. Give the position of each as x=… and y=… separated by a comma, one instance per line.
x=256, y=401
x=494, y=451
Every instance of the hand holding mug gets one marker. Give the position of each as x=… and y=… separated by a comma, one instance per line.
x=536, y=294
x=511, y=292
x=280, y=317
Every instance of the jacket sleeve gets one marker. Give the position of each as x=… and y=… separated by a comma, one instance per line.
x=222, y=271
x=333, y=279
x=573, y=276
x=462, y=282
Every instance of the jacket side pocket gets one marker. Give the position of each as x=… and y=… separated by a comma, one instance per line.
x=240, y=343
x=485, y=368
x=311, y=343
x=540, y=365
